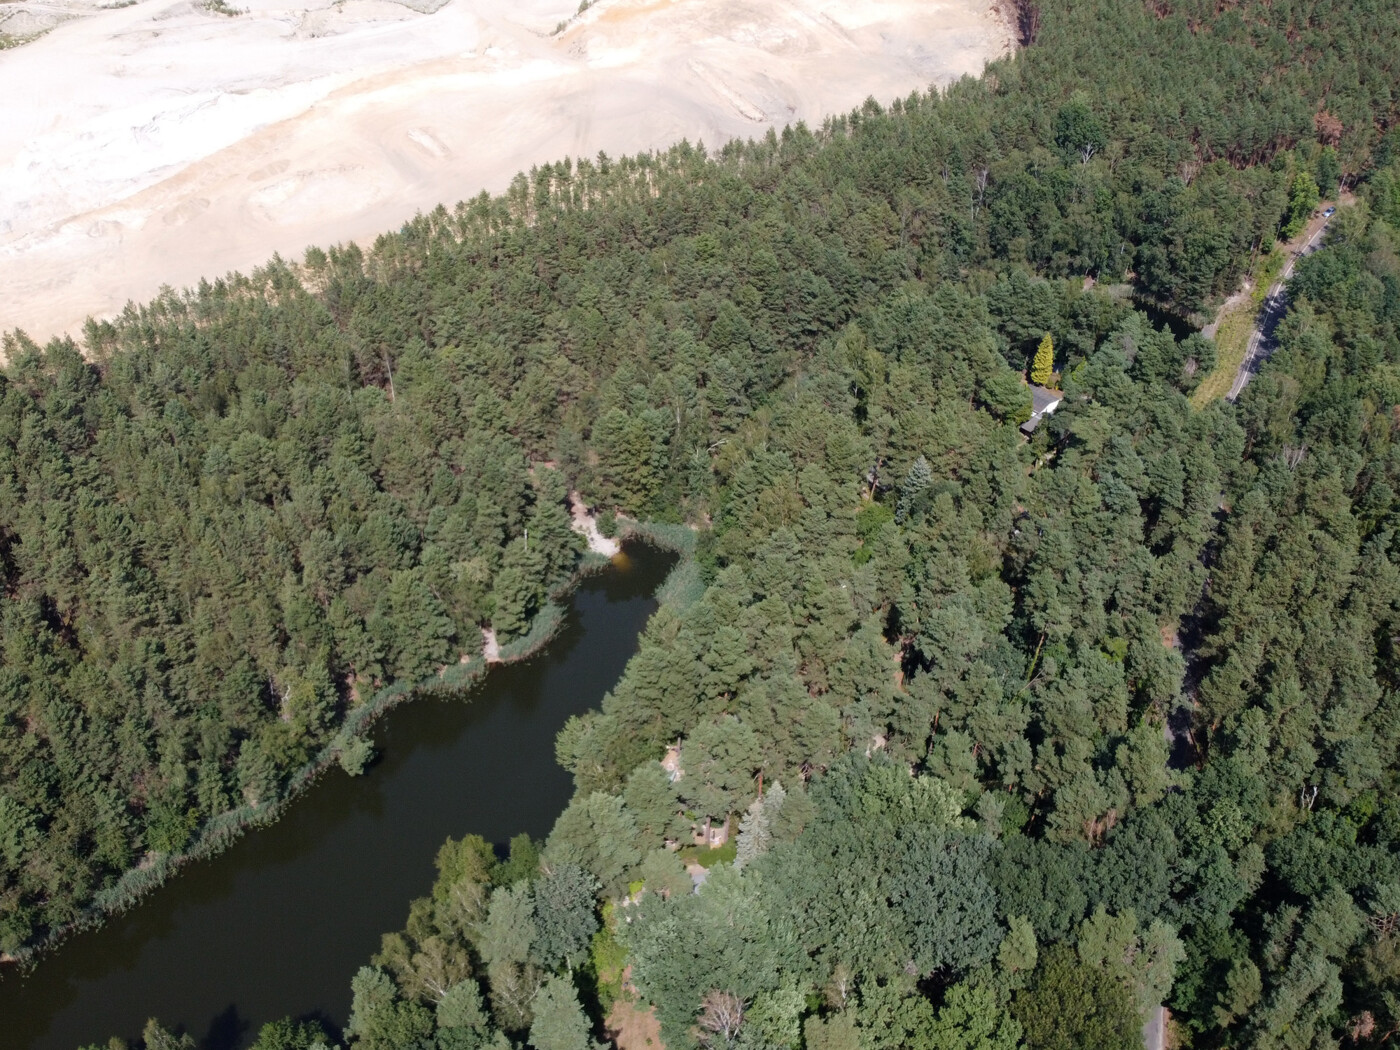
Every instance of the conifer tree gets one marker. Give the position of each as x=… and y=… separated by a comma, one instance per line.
x=564, y=919
x=912, y=489
x=1044, y=364
x=560, y=1023
x=665, y=874
x=1018, y=952
x=756, y=828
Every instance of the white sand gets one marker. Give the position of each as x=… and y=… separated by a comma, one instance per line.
x=586, y=525
x=161, y=142
x=490, y=646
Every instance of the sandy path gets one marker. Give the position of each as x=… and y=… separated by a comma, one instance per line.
x=161, y=142
x=586, y=525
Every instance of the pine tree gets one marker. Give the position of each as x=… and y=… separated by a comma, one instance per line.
x=560, y=1023
x=651, y=797
x=1044, y=364
x=510, y=931
x=912, y=489
x=756, y=828
x=1018, y=952
x=564, y=918
x=754, y=835
x=665, y=874
x=461, y=1007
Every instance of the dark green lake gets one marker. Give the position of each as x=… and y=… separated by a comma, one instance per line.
x=279, y=923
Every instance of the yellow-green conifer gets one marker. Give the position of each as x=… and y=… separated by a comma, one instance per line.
x=1044, y=364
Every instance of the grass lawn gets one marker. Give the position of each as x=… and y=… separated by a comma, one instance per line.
x=708, y=858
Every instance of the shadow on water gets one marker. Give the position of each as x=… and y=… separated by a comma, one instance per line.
x=279, y=923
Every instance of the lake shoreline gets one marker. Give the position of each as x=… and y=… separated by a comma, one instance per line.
x=225, y=829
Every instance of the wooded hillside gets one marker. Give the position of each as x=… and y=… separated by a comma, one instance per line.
x=262, y=497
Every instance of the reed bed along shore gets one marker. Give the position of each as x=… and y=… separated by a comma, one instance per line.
x=453, y=682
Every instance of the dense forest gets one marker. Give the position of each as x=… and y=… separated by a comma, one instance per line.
x=1018, y=739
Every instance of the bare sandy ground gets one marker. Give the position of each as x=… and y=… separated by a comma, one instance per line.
x=586, y=525
x=157, y=143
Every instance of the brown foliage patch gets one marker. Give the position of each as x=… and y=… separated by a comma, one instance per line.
x=1328, y=127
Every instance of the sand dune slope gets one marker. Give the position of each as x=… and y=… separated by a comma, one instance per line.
x=157, y=142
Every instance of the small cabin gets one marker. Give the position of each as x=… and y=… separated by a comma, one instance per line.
x=1043, y=402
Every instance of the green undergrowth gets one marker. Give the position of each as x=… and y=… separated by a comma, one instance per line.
x=708, y=857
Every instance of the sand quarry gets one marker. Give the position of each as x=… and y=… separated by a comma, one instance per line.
x=146, y=143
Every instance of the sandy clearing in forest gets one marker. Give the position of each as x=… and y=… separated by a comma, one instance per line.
x=161, y=142
x=586, y=525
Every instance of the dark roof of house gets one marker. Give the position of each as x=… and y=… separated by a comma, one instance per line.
x=1043, y=402
x=1041, y=399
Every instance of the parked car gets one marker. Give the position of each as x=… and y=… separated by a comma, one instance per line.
x=1329, y=213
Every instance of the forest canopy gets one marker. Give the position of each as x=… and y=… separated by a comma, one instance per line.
x=1105, y=718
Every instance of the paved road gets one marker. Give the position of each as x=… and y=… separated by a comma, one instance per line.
x=1261, y=340
x=1154, y=1032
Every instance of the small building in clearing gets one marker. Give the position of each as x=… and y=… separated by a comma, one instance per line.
x=1043, y=402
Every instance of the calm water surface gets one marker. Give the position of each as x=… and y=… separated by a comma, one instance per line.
x=279, y=923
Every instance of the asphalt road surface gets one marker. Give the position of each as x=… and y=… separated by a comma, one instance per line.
x=1154, y=1032
x=1261, y=340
